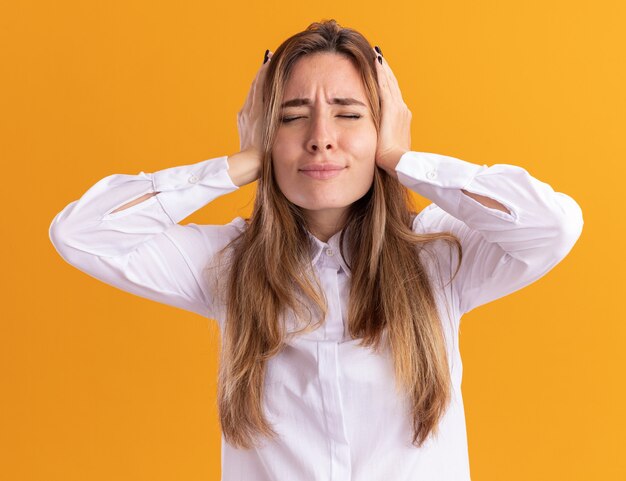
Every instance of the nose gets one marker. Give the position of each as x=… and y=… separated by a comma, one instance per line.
x=321, y=136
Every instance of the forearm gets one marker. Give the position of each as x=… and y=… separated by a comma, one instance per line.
x=391, y=161
x=136, y=201
x=537, y=221
x=487, y=201
x=244, y=167
x=120, y=212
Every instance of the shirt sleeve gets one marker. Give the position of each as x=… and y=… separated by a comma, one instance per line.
x=502, y=252
x=143, y=249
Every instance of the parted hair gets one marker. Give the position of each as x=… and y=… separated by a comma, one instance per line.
x=391, y=302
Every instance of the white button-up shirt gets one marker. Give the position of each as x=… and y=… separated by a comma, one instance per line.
x=333, y=402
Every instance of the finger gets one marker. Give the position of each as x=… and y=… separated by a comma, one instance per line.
x=386, y=82
x=259, y=81
x=390, y=74
x=383, y=81
x=254, y=89
x=249, y=102
x=247, y=105
x=392, y=82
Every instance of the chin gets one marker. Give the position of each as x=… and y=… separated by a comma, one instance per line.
x=317, y=205
x=309, y=204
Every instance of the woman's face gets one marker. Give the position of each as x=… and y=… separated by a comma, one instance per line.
x=326, y=130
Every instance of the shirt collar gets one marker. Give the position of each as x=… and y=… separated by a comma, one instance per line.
x=328, y=253
x=319, y=253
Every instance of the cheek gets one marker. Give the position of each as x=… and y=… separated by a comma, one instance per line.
x=363, y=143
x=282, y=151
x=285, y=139
x=282, y=171
x=285, y=154
x=366, y=176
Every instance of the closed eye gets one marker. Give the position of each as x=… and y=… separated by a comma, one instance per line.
x=289, y=119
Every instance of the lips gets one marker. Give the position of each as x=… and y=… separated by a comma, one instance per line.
x=323, y=167
x=321, y=171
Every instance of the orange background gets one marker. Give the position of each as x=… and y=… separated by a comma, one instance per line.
x=100, y=384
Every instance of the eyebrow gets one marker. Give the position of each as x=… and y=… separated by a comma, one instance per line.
x=336, y=100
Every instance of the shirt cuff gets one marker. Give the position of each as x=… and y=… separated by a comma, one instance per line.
x=186, y=188
x=415, y=168
x=437, y=177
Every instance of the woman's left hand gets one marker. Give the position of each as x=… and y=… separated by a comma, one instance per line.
x=394, y=138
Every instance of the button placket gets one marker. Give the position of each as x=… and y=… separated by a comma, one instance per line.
x=329, y=266
x=333, y=324
x=328, y=372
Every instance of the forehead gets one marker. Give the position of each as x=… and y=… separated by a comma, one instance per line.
x=334, y=73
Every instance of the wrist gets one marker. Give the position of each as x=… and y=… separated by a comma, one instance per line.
x=390, y=161
x=244, y=167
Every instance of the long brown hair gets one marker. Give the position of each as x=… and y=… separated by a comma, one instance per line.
x=391, y=301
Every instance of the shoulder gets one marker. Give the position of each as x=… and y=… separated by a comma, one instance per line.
x=433, y=219
x=220, y=234
x=206, y=238
x=439, y=256
x=200, y=245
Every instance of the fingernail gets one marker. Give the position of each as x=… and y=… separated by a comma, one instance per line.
x=380, y=59
x=378, y=50
x=265, y=56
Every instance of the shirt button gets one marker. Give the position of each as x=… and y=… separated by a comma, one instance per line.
x=329, y=252
x=431, y=174
x=192, y=179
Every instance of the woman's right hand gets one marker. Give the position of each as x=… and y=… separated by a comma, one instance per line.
x=246, y=165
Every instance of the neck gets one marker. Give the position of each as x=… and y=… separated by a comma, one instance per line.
x=325, y=223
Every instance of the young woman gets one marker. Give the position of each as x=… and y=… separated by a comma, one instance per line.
x=338, y=305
